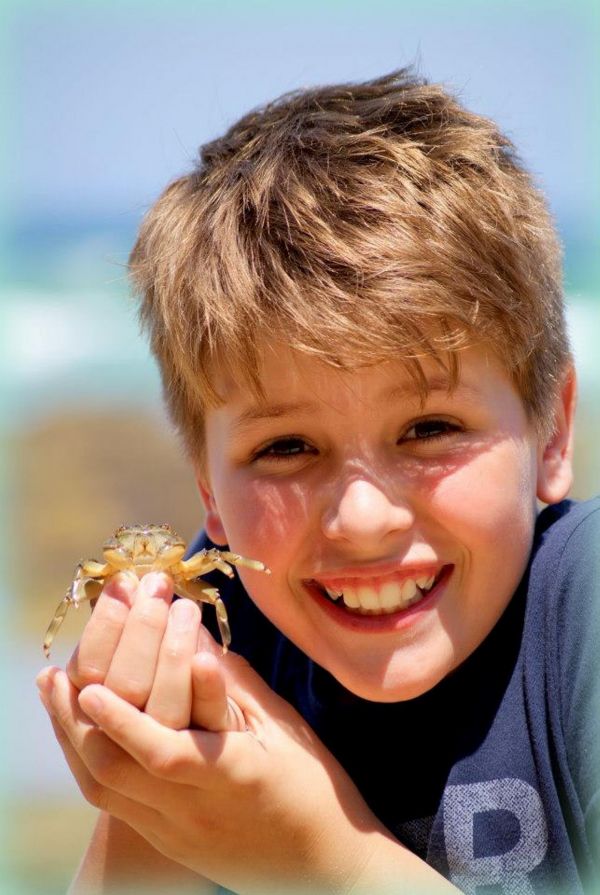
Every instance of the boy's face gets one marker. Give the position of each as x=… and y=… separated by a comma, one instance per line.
x=421, y=516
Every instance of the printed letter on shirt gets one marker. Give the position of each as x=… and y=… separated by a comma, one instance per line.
x=500, y=800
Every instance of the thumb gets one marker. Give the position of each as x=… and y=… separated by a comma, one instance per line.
x=250, y=692
x=212, y=707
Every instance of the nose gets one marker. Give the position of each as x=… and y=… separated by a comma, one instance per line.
x=363, y=513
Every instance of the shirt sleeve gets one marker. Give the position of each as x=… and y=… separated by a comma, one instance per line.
x=578, y=654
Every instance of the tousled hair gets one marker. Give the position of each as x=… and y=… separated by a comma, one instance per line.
x=357, y=223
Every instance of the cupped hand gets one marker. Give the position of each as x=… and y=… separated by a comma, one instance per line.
x=155, y=654
x=266, y=809
x=121, y=641
x=252, y=800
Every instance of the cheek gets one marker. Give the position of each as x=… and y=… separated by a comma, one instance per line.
x=263, y=515
x=492, y=497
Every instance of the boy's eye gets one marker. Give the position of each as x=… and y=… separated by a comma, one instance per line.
x=430, y=430
x=283, y=448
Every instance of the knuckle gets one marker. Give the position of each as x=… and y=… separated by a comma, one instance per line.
x=83, y=673
x=174, y=651
x=167, y=716
x=161, y=763
x=76, y=669
x=164, y=762
x=152, y=617
x=133, y=691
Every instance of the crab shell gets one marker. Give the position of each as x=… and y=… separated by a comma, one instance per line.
x=151, y=548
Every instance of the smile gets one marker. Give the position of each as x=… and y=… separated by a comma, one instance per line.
x=378, y=596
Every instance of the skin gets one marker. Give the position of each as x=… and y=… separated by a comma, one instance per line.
x=357, y=489
x=349, y=475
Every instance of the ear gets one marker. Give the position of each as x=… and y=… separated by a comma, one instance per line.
x=555, y=458
x=212, y=522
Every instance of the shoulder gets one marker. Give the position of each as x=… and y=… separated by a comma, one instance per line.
x=564, y=579
x=567, y=541
x=564, y=596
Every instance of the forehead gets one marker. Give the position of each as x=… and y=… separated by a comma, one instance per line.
x=291, y=380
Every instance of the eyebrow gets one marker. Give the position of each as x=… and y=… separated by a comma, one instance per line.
x=435, y=384
x=277, y=410
x=273, y=411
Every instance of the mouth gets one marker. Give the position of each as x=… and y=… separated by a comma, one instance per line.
x=379, y=596
x=144, y=560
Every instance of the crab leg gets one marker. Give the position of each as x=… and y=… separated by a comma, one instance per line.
x=203, y=562
x=207, y=560
x=61, y=611
x=194, y=590
x=80, y=590
x=86, y=585
x=238, y=560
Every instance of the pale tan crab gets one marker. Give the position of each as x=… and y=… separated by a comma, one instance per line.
x=150, y=548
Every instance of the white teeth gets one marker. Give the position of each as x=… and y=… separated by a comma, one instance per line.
x=368, y=598
x=334, y=594
x=425, y=582
x=351, y=598
x=388, y=597
x=409, y=590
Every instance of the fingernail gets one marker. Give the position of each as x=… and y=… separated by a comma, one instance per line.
x=122, y=586
x=157, y=584
x=182, y=615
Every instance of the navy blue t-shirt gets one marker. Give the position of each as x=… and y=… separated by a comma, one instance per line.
x=493, y=776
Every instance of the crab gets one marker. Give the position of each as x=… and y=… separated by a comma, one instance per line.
x=151, y=548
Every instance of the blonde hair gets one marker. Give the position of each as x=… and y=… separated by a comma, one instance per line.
x=358, y=222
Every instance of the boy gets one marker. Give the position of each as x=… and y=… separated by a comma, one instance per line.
x=355, y=301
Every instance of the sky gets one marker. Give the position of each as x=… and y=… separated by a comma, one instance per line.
x=111, y=100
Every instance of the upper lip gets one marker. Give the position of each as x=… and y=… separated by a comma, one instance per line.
x=379, y=570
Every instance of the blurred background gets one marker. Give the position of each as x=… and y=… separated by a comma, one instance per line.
x=103, y=103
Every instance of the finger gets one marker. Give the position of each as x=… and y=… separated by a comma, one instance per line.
x=99, y=795
x=212, y=709
x=102, y=769
x=131, y=810
x=133, y=666
x=170, y=700
x=190, y=757
x=247, y=689
x=45, y=681
x=91, y=660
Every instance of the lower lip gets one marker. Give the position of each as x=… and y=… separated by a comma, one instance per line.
x=393, y=621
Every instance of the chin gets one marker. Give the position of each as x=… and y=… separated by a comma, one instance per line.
x=388, y=684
